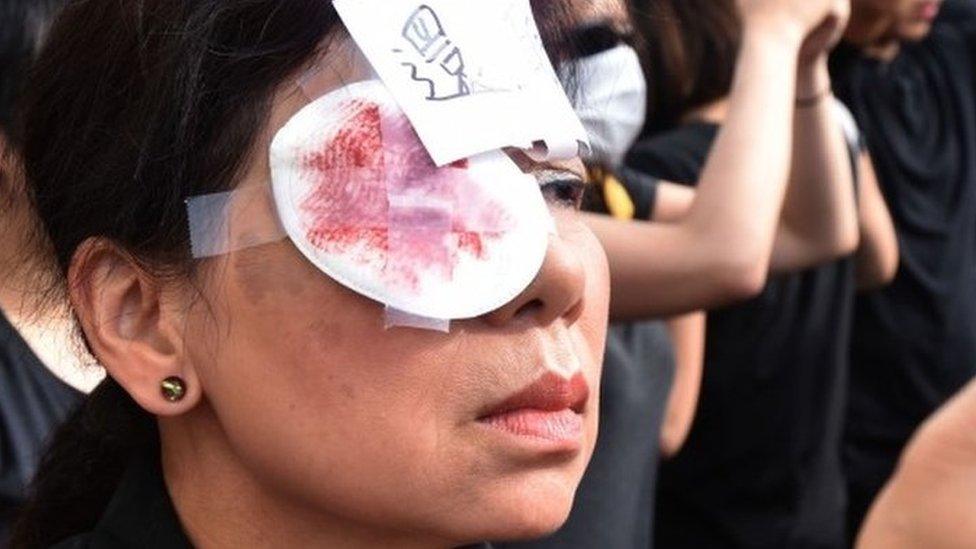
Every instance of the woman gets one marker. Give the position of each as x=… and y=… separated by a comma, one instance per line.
x=253, y=401
x=761, y=465
x=241, y=408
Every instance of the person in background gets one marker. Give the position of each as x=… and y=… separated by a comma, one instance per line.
x=615, y=503
x=41, y=373
x=907, y=70
x=761, y=465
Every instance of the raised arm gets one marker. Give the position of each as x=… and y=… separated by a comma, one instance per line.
x=720, y=252
x=688, y=338
x=819, y=220
x=878, y=255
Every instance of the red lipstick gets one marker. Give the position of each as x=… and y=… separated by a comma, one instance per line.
x=549, y=410
x=929, y=11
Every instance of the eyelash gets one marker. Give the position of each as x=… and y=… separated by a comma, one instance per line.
x=564, y=191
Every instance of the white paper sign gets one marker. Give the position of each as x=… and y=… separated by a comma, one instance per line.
x=472, y=76
x=361, y=199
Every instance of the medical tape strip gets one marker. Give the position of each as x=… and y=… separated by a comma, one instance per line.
x=395, y=318
x=223, y=223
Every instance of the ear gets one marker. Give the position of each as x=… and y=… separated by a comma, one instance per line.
x=134, y=328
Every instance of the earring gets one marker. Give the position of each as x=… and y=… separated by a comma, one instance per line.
x=173, y=389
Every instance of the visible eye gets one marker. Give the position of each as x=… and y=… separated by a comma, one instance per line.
x=562, y=188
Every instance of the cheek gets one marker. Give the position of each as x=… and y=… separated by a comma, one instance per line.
x=306, y=364
x=593, y=323
x=596, y=294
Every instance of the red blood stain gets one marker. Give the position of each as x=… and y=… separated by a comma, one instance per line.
x=472, y=243
x=348, y=209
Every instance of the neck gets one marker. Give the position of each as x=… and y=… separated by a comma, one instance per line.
x=714, y=112
x=871, y=32
x=221, y=503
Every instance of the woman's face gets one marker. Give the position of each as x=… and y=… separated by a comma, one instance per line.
x=482, y=433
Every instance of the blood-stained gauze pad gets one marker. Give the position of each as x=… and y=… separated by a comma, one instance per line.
x=358, y=194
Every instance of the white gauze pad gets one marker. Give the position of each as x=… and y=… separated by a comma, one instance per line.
x=359, y=195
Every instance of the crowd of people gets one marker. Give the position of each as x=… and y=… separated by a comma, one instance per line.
x=753, y=326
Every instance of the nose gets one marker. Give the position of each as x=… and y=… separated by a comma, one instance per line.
x=557, y=291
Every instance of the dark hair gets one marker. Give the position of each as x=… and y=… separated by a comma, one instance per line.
x=690, y=49
x=23, y=24
x=133, y=106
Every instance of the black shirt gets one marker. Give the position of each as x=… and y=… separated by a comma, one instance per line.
x=761, y=467
x=914, y=343
x=614, y=505
x=141, y=514
x=32, y=403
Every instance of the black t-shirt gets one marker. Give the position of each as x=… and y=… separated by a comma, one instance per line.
x=32, y=403
x=761, y=467
x=914, y=343
x=141, y=514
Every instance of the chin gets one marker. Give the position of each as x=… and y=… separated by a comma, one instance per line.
x=526, y=513
x=539, y=524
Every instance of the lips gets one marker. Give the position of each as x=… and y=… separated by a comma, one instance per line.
x=550, y=409
x=929, y=11
x=551, y=393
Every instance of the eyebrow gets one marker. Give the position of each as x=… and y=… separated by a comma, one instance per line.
x=549, y=166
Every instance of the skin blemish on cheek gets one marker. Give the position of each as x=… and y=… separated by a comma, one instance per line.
x=378, y=199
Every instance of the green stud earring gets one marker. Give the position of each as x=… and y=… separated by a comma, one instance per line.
x=173, y=389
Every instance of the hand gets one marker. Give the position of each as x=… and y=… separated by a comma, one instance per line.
x=931, y=500
x=826, y=35
x=798, y=17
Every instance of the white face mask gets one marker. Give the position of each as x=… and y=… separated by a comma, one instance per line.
x=612, y=101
